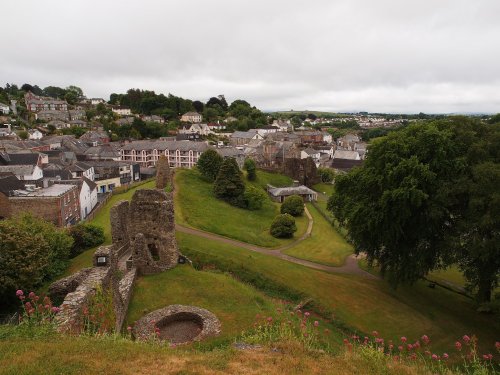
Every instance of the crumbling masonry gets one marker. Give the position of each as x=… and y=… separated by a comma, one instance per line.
x=143, y=234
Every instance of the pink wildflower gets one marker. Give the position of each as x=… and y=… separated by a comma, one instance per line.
x=434, y=357
x=375, y=333
x=305, y=334
x=19, y=293
x=403, y=339
x=316, y=323
x=466, y=339
x=446, y=356
x=269, y=319
x=427, y=352
x=458, y=345
x=425, y=339
x=400, y=348
x=55, y=309
x=409, y=347
x=306, y=314
x=487, y=357
x=497, y=345
x=129, y=328
x=31, y=295
x=47, y=307
x=391, y=346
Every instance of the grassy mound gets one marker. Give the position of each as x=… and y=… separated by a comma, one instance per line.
x=325, y=246
x=360, y=303
x=235, y=304
x=196, y=206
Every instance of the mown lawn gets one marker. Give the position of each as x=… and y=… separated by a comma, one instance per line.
x=197, y=207
x=102, y=219
x=361, y=303
x=234, y=303
x=325, y=246
x=324, y=188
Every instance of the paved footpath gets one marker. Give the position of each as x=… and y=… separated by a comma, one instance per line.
x=350, y=266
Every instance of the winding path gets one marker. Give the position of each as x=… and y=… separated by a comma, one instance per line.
x=349, y=267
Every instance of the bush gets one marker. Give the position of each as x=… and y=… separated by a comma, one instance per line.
x=254, y=198
x=326, y=174
x=251, y=169
x=85, y=236
x=283, y=226
x=229, y=184
x=293, y=205
x=209, y=164
x=32, y=251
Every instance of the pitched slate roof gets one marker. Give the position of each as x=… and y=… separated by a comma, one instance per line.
x=9, y=182
x=291, y=190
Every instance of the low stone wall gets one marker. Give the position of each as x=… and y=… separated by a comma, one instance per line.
x=126, y=287
x=145, y=327
x=68, y=319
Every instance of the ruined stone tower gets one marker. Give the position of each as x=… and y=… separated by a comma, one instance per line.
x=147, y=226
x=163, y=173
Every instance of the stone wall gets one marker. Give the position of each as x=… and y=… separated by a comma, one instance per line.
x=119, y=223
x=151, y=229
x=82, y=286
x=302, y=170
x=46, y=208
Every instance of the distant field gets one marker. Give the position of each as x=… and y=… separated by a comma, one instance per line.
x=196, y=206
x=325, y=246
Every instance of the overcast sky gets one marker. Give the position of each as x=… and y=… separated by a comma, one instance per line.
x=339, y=55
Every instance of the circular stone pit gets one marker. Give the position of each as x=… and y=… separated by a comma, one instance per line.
x=177, y=324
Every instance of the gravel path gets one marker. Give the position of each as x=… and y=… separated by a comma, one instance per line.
x=350, y=266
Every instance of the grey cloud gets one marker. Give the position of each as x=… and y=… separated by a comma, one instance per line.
x=385, y=55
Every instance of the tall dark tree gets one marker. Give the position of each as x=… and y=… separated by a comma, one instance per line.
x=251, y=169
x=427, y=197
x=198, y=106
x=229, y=184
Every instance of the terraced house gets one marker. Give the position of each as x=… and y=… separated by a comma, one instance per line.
x=180, y=154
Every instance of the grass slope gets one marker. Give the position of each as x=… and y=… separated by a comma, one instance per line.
x=363, y=304
x=196, y=206
x=108, y=355
x=325, y=246
x=234, y=303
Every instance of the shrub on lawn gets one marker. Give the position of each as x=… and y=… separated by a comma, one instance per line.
x=326, y=174
x=254, y=198
x=85, y=236
x=293, y=205
x=283, y=226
